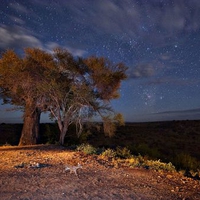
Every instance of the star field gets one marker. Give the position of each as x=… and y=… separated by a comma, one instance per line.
x=159, y=40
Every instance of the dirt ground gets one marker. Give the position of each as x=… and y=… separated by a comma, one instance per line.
x=38, y=172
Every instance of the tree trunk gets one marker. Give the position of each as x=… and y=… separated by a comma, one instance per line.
x=63, y=132
x=62, y=138
x=30, y=131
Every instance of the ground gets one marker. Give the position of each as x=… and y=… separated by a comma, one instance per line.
x=38, y=172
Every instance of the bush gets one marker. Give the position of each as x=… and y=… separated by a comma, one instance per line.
x=139, y=161
x=123, y=152
x=186, y=162
x=144, y=150
x=109, y=153
x=158, y=165
x=87, y=149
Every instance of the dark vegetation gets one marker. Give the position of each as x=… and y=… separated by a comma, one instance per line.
x=175, y=141
x=71, y=89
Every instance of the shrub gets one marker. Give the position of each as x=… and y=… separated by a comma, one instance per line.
x=87, y=149
x=134, y=162
x=144, y=150
x=158, y=165
x=139, y=161
x=123, y=152
x=186, y=162
x=109, y=153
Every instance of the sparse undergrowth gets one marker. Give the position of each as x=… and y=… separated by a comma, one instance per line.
x=101, y=177
x=123, y=157
x=182, y=163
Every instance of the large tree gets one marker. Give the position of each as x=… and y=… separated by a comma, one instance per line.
x=72, y=89
x=20, y=79
x=83, y=88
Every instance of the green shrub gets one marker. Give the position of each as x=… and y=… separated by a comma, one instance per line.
x=139, y=161
x=109, y=153
x=158, y=165
x=144, y=150
x=135, y=161
x=123, y=152
x=87, y=149
x=186, y=162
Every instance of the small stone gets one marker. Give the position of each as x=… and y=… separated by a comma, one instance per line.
x=169, y=176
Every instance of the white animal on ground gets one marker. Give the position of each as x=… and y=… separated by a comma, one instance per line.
x=73, y=168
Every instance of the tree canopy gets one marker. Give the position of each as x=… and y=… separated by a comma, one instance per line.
x=72, y=89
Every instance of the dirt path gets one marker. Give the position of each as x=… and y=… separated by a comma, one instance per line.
x=21, y=178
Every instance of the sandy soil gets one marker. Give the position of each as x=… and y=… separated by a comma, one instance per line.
x=38, y=172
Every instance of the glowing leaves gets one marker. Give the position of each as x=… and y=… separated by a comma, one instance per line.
x=106, y=76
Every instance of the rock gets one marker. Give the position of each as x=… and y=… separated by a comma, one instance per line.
x=169, y=176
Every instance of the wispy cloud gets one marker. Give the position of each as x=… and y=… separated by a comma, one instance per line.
x=142, y=70
x=124, y=19
x=16, y=19
x=76, y=52
x=189, y=111
x=17, y=37
x=136, y=19
x=19, y=7
x=190, y=114
x=173, y=81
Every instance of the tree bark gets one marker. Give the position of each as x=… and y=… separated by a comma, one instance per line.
x=63, y=132
x=30, y=131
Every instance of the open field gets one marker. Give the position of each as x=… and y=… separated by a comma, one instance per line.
x=174, y=141
x=21, y=179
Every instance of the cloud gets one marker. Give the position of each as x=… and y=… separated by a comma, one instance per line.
x=173, y=81
x=17, y=20
x=190, y=111
x=122, y=21
x=136, y=19
x=142, y=70
x=75, y=52
x=181, y=16
x=19, y=7
x=106, y=16
x=16, y=38
x=165, y=57
x=190, y=114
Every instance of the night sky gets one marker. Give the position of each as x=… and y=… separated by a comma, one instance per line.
x=159, y=40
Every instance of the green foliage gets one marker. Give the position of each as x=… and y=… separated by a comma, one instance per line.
x=186, y=162
x=87, y=149
x=139, y=161
x=145, y=150
x=123, y=152
x=110, y=153
x=158, y=165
